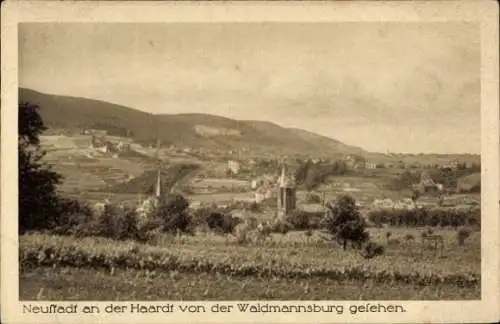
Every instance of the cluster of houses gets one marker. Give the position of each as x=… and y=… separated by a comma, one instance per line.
x=358, y=162
x=263, y=187
x=101, y=145
x=405, y=203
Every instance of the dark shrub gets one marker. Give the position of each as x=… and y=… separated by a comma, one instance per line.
x=222, y=222
x=463, y=234
x=409, y=237
x=299, y=220
x=153, y=224
x=372, y=250
x=282, y=227
x=254, y=207
x=303, y=220
x=71, y=213
x=128, y=227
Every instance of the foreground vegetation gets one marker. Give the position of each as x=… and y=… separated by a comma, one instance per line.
x=204, y=266
x=89, y=284
x=292, y=258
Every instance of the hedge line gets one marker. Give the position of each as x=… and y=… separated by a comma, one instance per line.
x=434, y=217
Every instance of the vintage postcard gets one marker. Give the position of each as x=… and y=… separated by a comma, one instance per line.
x=250, y=162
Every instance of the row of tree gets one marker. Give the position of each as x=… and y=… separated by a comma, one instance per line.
x=447, y=177
x=424, y=217
x=311, y=175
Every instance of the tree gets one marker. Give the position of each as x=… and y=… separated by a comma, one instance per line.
x=303, y=169
x=38, y=200
x=344, y=221
x=173, y=211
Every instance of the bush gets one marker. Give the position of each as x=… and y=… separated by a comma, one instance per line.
x=105, y=225
x=71, y=213
x=254, y=207
x=344, y=221
x=282, y=227
x=298, y=219
x=128, y=227
x=302, y=220
x=427, y=232
x=153, y=224
x=372, y=250
x=222, y=222
x=409, y=237
x=199, y=215
x=463, y=234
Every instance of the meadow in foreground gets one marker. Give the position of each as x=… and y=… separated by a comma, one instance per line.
x=208, y=266
x=124, y=285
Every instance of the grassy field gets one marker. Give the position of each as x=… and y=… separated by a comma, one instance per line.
x=289, y=267
x=99, y=285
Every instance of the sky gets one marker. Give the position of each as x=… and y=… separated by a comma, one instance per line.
x=398, y=87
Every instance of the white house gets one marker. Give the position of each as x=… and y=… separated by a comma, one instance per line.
x=369, y=165
x=263, y=193
x=233, y=166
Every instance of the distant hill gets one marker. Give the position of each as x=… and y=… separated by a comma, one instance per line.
x=326, y=142
x=183, y=130
x=73, y=113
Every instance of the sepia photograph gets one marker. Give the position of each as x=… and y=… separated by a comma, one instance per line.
x=264, y=161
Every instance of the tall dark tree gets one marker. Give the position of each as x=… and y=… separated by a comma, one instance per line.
x=38, y=201
x=302, y=170
x=344, y=221
x=173, y=211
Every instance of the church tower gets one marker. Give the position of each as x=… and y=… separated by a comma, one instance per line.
x=286, y=194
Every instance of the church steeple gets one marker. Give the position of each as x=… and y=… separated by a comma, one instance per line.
x=286, y=193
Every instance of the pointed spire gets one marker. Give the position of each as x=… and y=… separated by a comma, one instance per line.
x=158, y=174
x=158, y=184
x=283, y=177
